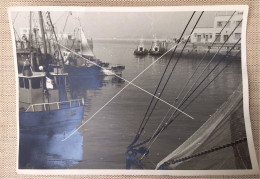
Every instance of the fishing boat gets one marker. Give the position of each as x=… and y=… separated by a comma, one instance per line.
x=43, y=100
x=140, y=50
x=46, y=114
x=80, y=55
x=43, y=103
x=158, y=48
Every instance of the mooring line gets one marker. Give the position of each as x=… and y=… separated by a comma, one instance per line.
x=129, y=82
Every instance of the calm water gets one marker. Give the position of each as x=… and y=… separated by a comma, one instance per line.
x=107, y=135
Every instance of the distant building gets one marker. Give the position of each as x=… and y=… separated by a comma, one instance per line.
x=207, y=35
x=202, y=35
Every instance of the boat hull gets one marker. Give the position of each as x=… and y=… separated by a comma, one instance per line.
x=51, y=122
x=156, y=53
x=86, y=71
x=141, y=53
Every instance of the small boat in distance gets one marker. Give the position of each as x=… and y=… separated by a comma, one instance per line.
x=158, y=48
x=114, y=69
x=140, y=50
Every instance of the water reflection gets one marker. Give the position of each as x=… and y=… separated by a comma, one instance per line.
x=113, y=128
x=49, y=152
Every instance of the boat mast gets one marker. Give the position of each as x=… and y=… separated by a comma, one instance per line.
x=45, y=49
x=43, y=34
x=55, y=36
x=30, y=31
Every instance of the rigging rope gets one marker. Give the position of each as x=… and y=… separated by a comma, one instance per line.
x=59, y=18
x=202, y=59
x=169, y=120
x=184, y=100
x=194, y=72
x=131, y=152
x=173, y=68
x=208, y=74
x=154, y=137
x=141, y=128
x=210, y=82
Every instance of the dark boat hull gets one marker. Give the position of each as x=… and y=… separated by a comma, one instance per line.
x=157, y=53
x=51, y=122
x=41, y=135
x=86, y=71
x=141, y=53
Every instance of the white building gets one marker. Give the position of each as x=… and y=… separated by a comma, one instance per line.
x=203, y=35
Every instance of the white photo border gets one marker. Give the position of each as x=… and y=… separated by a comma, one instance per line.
x=244, y=8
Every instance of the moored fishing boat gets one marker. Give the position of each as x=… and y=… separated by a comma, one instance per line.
x=46, y=114
x=140, y=50
x=44, y=108
x=157, y=48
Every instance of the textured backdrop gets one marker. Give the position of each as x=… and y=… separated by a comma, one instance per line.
x=8, y=139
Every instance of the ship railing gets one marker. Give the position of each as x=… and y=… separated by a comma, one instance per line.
x=55, y=105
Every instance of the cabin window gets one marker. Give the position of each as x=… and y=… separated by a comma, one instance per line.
x=21, y=83
x=210, y=36
x=217, y=37
x=26, y=83
x=36, y=83
x=225, y=37
x=219, y=24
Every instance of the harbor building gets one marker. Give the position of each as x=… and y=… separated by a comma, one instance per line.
x=202, y=35
x=209, y=34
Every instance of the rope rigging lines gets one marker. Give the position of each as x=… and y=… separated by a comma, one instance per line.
x=187, y=97
x=129, y=83
x=141, y=125
x=194, y=88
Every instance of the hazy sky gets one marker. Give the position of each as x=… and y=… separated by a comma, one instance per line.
x=122, y=24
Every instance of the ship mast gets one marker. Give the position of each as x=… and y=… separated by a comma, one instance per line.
x=43, y=34
x=56, y=39
x=30, y=31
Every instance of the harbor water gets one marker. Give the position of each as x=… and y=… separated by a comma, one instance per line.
x=102, y=141
x=107, y=135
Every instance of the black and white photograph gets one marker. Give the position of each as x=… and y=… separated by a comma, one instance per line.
x=132, y=90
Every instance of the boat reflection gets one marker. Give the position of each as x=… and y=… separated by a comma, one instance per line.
x=49, y=151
